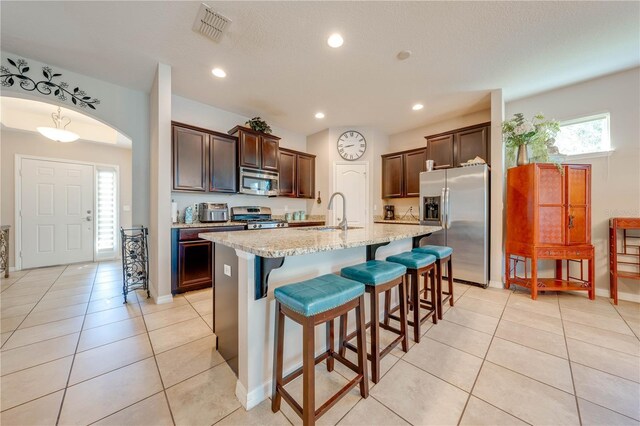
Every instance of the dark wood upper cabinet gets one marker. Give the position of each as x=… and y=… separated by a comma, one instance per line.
x=203, y=160
x=223, y=161
x=306, y=169
x=297, y=174
x=401, y=173
x=255, y=149
x=440, y=150
x=451, y=149
x=287, y=173
x=189, y=159
x=392, y=176
x=472, y=143
x=414, y=164
x=249, y=148
x=269, y=152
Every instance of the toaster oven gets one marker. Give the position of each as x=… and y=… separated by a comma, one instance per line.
x=213, y=212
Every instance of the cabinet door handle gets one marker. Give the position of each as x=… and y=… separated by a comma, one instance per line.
x=571, y=217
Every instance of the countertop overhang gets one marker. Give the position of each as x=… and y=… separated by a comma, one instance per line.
x=276, y=243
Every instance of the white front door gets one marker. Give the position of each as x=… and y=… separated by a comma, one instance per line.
x=351, y=180
x=56, y=213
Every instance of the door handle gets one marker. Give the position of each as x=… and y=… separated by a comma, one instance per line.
x=443, y=209
x=448, y=203
x=571, y=225
x=88, y=218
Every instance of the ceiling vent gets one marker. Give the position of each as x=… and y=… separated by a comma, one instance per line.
x=210, y=23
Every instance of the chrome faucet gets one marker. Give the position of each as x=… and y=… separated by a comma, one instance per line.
x=343, y=224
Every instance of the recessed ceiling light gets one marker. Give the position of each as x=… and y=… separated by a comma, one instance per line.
x=335, y=40
x=417, y=107
x=219, y=72
x=319, y=114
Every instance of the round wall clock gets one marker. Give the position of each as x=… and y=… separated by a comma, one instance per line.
x=351, y=145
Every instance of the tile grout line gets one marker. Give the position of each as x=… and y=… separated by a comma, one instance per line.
x=625, y=321
x=573, y=382
x=64, y=394
x=34, y=306
x=484, y=360
x=155, y=360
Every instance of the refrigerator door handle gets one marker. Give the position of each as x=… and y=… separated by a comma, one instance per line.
x=448, y=207
x=443, y=209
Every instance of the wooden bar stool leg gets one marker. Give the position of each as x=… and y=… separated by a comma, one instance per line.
x=277, y=359
x=342, y=349
x=403, y=314
x=415, y=298
x=432, y=278
x=450, y=277
x=439, y=289
x=308, y=373
x=375, y=336
x=361, y=333
x=330, y=346
x=387, y=306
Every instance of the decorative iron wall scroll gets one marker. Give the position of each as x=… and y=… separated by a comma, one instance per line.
x=45, y=87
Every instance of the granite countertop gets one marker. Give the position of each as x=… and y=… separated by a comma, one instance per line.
x=399, y=221
x=297, y=241
x=305, y=221
x=206, y=225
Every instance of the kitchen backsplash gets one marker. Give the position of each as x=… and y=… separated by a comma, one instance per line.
x=278, y=205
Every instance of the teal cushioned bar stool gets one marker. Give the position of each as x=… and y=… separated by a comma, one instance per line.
x=378, y=277
x=310, y=303
x=418, y=265
x=443, y=255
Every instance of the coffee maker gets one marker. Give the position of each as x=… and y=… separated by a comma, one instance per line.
x=389, y=213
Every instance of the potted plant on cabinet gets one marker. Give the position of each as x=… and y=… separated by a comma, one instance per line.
x=537, y=135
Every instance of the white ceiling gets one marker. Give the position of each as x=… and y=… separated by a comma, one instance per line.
x=27, y=115
x=280, y=67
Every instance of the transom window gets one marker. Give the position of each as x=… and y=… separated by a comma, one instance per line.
x=584, y=135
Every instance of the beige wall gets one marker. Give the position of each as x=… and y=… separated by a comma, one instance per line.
x=323, y=145
x=615, y=180
x=14, y=142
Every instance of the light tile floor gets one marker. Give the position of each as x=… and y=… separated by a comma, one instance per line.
x=72, y=353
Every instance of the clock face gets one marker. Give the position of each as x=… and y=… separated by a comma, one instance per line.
x=351, y=145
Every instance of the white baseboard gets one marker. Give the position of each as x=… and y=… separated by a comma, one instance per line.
x=253, y=398
x=602, y=292
x=496, y=284
x=167, y=298
x=629, y=297
x=241, y=394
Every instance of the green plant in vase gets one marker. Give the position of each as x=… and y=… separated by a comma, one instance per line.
x=537, y=135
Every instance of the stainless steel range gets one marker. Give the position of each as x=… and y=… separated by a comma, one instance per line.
x=256, y=217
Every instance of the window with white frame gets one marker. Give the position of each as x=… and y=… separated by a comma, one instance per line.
x=106, y=211
x=585, y=135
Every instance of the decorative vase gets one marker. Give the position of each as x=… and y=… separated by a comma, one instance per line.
x=523, y=156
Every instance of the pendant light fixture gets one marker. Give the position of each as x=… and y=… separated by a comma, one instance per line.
x=59, y=132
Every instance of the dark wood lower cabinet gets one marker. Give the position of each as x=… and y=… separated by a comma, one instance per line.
x=192, y=258
x=195, y=264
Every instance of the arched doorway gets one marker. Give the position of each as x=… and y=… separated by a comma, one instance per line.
x=63, y=201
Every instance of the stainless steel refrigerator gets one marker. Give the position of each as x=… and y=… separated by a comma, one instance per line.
x=458, y=200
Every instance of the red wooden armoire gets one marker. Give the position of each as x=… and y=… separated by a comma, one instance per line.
x=549, y=217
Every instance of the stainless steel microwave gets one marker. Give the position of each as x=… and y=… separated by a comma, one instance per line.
x=259, y=182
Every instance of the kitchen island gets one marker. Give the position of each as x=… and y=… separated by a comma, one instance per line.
x=250, y=264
